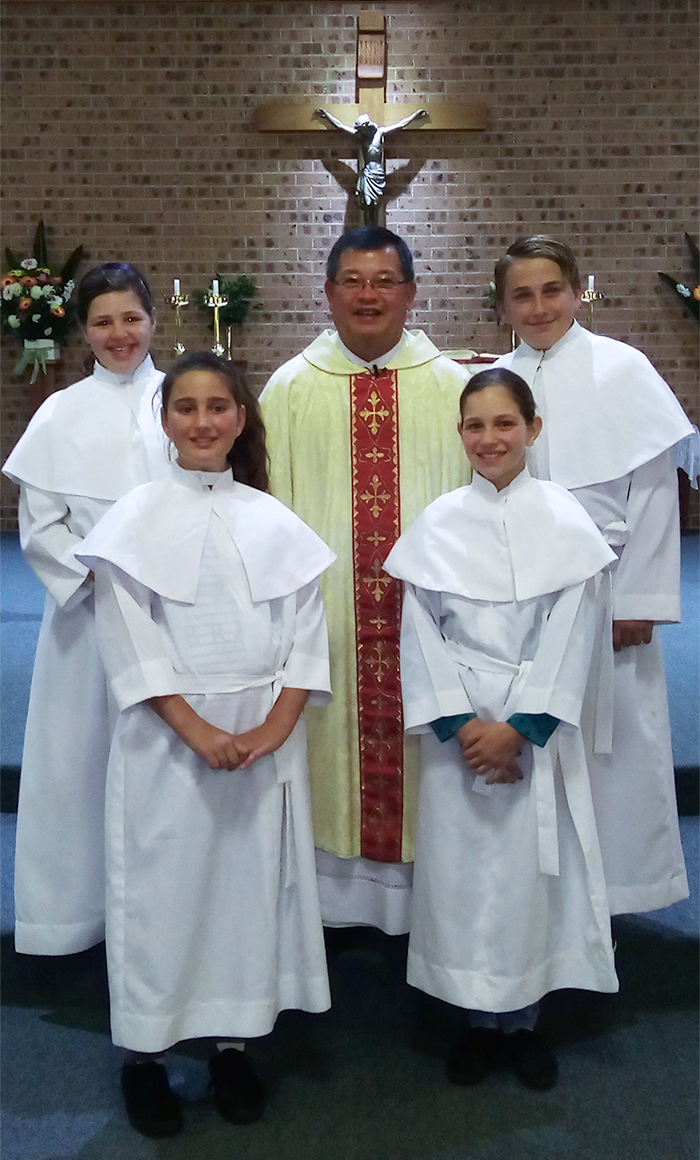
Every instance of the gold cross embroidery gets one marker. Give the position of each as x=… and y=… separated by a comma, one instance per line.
x=376, y=580
x=374, y=416
x=374, y=455
x=378, y=662
x=376, y=498
x=375, y=539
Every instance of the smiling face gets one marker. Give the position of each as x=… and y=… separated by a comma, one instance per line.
x=203, y=420
x=119, y=330
x=538, y=302
x=495, y=434
x=370, y=321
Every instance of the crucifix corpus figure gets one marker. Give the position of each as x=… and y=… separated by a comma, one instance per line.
x=371, y=170
x=363, y=120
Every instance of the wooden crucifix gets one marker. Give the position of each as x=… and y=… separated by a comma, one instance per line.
x=365, y=121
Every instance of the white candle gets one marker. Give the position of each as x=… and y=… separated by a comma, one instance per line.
x=591, y=281
x=215, y=285
x=176, y=285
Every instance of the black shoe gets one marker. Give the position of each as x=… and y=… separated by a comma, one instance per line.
x=473, y=1056
x=152, y=1108
x=238, y=1092
x=533, y=1062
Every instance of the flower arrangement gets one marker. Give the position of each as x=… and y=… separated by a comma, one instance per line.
x=36, y=303
x=689, y=295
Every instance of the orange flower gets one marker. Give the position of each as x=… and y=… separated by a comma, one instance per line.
x=27, y=281
x=57, y=311
x=7, y=280
x=696, y=293
x=25, y=303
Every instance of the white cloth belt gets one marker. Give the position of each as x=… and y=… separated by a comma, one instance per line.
x=190, y=683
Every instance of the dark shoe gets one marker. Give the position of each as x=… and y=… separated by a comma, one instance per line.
x=533, y=1062
x=238, y=1093
x=473, y=1056
x=152, y=1108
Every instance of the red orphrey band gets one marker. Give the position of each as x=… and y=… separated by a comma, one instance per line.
x=376, y=527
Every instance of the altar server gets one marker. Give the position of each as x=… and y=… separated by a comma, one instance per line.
x=610, y=425
x=212, y=630
x=501, y=610
x=84, y=448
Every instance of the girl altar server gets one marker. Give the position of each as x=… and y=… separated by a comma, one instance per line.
x=212, y=630
x=500, y=615
x=85, y=447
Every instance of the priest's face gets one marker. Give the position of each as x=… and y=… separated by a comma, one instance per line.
x=203, y=420
x=119, y=330
x=538, y=302
x=495, y=434
x=369, y=301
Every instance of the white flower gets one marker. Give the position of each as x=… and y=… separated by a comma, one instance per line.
x=29, y=264
x=48, y=330
x=36, y=318
x=68, y=289
x=36, y=292
x=47, y=291
x=13, y=321
x=55, y=302
x=683, y=290
x=14, y=290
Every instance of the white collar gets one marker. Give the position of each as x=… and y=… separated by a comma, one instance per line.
x=381, y=361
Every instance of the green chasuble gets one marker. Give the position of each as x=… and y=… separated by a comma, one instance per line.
x=358, y=455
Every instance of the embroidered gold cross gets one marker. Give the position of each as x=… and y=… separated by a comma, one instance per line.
x=375, y=498
x=374, y=416
x=376, y=580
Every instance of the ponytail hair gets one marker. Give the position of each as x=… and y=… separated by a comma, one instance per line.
x=248, y=457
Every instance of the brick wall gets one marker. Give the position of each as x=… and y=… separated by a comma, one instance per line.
x=128, y=127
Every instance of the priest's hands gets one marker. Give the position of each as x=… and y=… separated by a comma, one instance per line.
x=490, y=749
x=629, y=632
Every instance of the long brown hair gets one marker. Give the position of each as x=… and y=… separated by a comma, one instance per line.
x=248, y=456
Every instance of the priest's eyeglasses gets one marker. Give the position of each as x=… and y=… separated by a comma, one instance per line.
x=382, y=284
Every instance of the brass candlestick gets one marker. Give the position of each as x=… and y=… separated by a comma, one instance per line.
x=590, y=296
x=177, y=301
x=216, y=301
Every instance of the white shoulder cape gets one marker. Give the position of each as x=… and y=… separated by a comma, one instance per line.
x=156, y=535
x=79, y=441
x=604, y=407
x=325, y=354
x=527, y=540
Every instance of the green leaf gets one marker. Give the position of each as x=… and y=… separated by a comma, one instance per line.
x=40, y=245
x=12, y=261
x=72, y=263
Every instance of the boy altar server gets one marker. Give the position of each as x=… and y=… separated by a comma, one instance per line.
x=610, y=424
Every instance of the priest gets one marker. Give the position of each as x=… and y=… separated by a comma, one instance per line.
x=361, y=429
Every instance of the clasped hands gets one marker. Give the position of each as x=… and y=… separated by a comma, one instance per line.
x=490, y=749
x=222, y=750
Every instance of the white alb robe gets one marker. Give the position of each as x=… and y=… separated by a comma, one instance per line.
x=500, y=615
x=213, y=920
x=609, y=426
x=85, y=446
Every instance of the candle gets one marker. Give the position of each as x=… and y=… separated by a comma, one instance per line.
x=215, y=285
x=591, y=281
x=176, y=285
